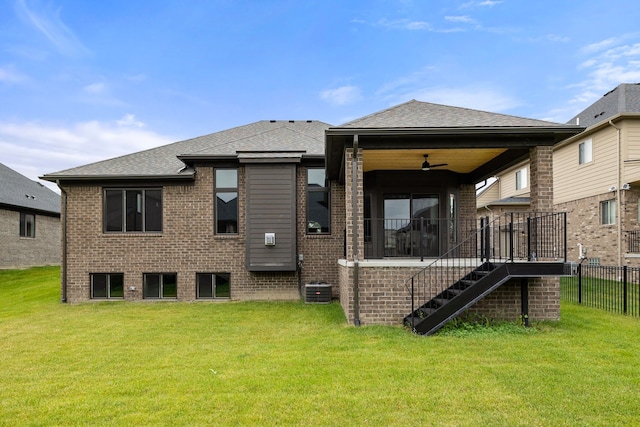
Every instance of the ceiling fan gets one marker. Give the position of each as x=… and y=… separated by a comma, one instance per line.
x=427, y=166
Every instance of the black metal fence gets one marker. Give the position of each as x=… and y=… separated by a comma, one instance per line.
x=615, y=289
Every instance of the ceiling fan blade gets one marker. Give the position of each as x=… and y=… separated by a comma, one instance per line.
x=439, y=164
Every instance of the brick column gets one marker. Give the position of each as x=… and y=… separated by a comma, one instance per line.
x=348, y=200
x=541, y=178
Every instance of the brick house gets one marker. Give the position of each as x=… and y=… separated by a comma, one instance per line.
x=261, y=210
x=596, y=177
x=29, y=222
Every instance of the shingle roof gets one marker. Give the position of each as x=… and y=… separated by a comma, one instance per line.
x=418, y=114
x=625, y=98
x=19, y=191
x=263, y=136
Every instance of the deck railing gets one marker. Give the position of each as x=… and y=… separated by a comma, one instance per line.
x=633, y=241
x=511, y=237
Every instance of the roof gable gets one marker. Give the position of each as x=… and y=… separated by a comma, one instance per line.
x=19, y=191
x=418, y=114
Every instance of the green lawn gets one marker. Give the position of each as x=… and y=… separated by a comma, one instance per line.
x=296, y=364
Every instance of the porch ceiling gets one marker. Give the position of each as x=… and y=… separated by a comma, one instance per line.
x=458, y=160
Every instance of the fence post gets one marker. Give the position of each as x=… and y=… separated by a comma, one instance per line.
x=487, y=241
x=421, y=238
x=624, y=278
x=528, y=238
x=580, y=283
x=413, y=324
x=511, y=237
x=481, y=239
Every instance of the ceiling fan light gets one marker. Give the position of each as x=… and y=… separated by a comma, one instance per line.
x=425, y=166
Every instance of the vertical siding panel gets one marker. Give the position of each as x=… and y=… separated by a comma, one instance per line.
x=271, y=208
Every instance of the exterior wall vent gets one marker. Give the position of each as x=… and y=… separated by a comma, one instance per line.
x=317, y=293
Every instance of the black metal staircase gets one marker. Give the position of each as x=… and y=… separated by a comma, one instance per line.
x=472, y=270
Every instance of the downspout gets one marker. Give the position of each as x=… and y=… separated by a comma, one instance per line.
x=618, y=184
x=354, y=222
x=63, y=277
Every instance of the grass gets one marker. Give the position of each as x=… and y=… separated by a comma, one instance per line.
x=295, y=364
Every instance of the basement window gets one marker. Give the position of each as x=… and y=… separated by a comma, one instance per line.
x=107, y=285
x=160, y=285
x=213, y=286
x=608, y=212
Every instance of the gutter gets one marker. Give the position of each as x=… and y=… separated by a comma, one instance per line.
x=354, y=221
x=63, y=277
x=618, y=184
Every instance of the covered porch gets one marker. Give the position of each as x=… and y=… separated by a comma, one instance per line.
x=409, y=175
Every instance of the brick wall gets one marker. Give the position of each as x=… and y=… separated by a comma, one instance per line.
x=188, y=245
x=19, y=252
x=384, y=299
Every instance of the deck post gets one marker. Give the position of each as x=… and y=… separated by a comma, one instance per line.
x=524, y=299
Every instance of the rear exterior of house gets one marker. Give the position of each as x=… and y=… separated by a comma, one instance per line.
x=150, y=226
x=29, y=222
x=262, y=210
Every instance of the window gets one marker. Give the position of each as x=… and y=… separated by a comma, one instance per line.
x=135, y=210
x=521, y=179
x=160, y=285
x=213, y=285
x=107, y=285
x=27, y=225
x=226, y=201
x=608, y=212
x=585, y=154
x=318, y=218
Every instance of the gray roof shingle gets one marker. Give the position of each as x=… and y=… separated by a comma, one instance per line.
x=625, y=98
x=18, y=191
x=418, y=114
x=262, y=136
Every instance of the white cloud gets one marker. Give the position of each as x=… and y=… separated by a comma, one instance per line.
x=95, y=88
x=9, y=75
x=463, y=19
x=342, y=95
x=34, y=148
x=130, y=121
x=49, y=24
x=608, y=63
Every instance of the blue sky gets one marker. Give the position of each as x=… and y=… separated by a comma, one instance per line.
x=82, y=81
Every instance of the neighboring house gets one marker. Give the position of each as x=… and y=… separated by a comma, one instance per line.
x=596, y=181
x=261, y=210
x=29, y=222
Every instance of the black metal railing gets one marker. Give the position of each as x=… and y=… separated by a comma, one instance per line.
x=611, y=288
x=415, y=237
x=633, y=241
x=517, y=236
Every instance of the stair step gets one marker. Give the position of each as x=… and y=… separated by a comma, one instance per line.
x=455, y=291
x=441, y=301
x=426, y=311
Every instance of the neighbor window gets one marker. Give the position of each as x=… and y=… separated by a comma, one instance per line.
x=608, y=212
x=521, y=179
x=107, y=285
x=213, y=286
x=160, y=285
x=585, y=154
x=318, y=196
x=226, y=201
x=133, y=210
x=27, y=225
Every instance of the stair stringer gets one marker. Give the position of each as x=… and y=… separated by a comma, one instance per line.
x=463, y=301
